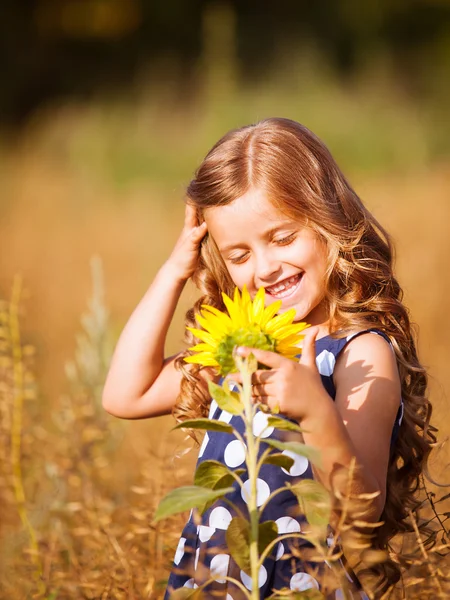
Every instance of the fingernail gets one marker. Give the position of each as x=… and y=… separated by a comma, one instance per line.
x=240, y=350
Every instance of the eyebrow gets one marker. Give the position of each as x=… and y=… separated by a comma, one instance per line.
x=268, y=234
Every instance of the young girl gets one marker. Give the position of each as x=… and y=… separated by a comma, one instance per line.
x=269, y=207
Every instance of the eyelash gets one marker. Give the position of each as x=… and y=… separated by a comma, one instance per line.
x=285, y=241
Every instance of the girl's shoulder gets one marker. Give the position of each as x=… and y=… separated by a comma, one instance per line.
x=341, y=352
x=336, y=342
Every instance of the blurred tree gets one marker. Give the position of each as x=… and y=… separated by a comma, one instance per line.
x=50, y=48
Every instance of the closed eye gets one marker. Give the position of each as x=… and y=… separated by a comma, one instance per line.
x=285, y=241
x=237, y=260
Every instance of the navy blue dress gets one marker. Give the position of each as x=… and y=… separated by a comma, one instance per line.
x=202, y=550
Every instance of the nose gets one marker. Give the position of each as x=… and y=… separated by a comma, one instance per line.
x=267, y=267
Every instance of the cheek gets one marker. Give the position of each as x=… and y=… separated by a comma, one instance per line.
x=239, y=275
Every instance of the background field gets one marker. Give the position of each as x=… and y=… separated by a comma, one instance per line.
x=104, y=175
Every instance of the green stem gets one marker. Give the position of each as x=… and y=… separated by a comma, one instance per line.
x=252, y=466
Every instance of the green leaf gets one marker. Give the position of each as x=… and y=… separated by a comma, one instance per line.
x=238, y=542
x=213, y=475
x=226, y=400
x=209, y=424
x=314, y=500
x=309, y=452
x=280, y=460
x=268, y=531
x=283, y=424
x=210, y=472
x=184, y=498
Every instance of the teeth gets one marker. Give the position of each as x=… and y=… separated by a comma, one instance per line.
x=283, y=285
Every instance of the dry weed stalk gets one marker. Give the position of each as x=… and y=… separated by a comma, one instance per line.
x=86, y=525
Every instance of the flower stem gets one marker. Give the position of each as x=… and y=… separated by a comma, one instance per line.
x=252, y=467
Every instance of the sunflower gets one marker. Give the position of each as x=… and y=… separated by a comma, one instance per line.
x=246, y=324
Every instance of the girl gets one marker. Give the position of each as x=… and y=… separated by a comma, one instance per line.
x=268, y=207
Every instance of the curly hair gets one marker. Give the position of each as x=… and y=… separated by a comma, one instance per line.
x=301, y=178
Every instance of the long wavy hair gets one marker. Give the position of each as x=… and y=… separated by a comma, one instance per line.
x=299, y=175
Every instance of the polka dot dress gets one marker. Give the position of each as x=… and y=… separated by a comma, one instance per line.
x=202, y=551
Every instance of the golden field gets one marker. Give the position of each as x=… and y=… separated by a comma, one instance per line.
x=74, y=186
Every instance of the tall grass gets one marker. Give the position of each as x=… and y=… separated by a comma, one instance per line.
x=78, y=489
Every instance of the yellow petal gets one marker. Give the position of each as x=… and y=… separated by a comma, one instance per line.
x=202, y=348
x=280, y=320
x=269, y=312
x=204, y=336
x=258, y=305
x=203, y=358
x=235, y=312
x=212, y=324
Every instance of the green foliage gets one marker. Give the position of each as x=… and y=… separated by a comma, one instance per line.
x=314, y=501
x=283, y=424
x=184, y=498
x=208, y=424
x=238, y=538
x=213, y=475
x=280, y=460
x=309, y=452
x=226, y=400
x=238, y=541
x=268, y=532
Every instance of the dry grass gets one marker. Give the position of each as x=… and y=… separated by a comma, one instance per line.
x=90, y=483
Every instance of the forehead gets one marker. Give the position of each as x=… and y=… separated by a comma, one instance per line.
x=252, y=213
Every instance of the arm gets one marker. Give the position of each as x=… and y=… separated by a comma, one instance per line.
x=358, y=424
x=141, y=382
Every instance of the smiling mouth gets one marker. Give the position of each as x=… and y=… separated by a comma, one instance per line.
x=285, y=288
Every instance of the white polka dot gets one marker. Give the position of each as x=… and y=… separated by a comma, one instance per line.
x=287, y=525
x=325, y=362
x=180, y=551
x=205, y=533
x=229, y=597
x=225, y=416
x=300, y=464
x=262, y=491
x=234, y=454
x=330, y=540
x=280, y=551
x=219, y=567
x=262, y=578
x=260, y=425
x=203, y=446
x=189, y=583
x=197, y=554
x=220, y=518
x=212, y=408
x=302, y=581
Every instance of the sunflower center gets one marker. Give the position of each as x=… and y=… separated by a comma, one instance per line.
x=252, y=336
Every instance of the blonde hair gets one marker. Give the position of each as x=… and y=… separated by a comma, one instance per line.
x=301, y=178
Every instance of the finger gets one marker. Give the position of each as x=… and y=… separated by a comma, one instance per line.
x=308, y=356
x=262, y=376
x=190, y=216
x=198, y=233
x=265, y=357
x=234, y=378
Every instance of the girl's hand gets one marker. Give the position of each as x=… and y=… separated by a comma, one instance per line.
x=185, y=255
x=295, y=388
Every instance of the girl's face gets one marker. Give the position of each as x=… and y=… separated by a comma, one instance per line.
x=262, y=247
